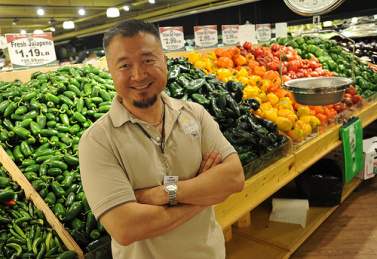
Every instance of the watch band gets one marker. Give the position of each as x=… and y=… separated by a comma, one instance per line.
x=173, y=199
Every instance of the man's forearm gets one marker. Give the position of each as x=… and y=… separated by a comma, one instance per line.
x=145, y=221
x=208, y=188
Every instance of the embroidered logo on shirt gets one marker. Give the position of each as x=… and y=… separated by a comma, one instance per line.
x=194, y=135
x=190, y=127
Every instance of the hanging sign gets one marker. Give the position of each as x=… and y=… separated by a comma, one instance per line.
x=172, y=38
x=206, y=36
x=31, y=50
x=230, y=34
x=263, y=32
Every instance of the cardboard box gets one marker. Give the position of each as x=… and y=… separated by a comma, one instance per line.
x=370, y=159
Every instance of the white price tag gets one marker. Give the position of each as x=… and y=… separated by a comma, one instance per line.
x=31, y=50
x=206, y=36
x=230, y=34
x=172, y=38
x=263, y=32
x=170, y=179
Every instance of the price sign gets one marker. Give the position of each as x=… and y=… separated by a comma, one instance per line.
x=206, y=36
x=172, y=38
x=230, y=34
x=263, y=32
x=31, y=50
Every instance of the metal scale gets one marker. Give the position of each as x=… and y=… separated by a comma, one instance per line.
x=317, y=90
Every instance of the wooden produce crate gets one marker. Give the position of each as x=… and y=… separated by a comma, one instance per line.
x=34, y=196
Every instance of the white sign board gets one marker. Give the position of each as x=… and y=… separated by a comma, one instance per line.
x=206, y=36
x=281, y=30
x=263, y=32
x=230, y=34
x=247, y=33
x=172, y=38
x=31, y=50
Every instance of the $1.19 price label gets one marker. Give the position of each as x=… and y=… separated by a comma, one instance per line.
x=31, y=50
x=230, y=34
x=206, y=36
x=172, y=38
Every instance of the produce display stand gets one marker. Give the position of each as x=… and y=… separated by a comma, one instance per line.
x=242, y=215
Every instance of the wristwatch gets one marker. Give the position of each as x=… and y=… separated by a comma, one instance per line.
x=171, y=189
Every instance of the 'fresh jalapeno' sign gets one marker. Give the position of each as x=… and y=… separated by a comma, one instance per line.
x=31, y=50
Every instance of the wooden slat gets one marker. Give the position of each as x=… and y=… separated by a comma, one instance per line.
x=34, y=196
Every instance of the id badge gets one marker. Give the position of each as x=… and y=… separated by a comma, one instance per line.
x=170, y=179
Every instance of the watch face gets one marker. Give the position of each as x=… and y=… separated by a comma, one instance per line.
x=171, y=187
x=312, y=7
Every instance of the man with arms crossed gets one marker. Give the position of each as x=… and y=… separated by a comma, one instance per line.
x=153, y=166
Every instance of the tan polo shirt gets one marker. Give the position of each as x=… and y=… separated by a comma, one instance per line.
x=116, y=158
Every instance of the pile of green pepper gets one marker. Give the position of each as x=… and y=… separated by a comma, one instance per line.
x=41, y=123
x=252, y=137
x=335, y=59
x=24, y=232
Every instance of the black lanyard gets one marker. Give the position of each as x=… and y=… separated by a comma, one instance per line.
x=162, y=135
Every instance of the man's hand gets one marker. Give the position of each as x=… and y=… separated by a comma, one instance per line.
x=209, y=161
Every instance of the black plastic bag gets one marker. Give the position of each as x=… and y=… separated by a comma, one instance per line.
x=321, y=184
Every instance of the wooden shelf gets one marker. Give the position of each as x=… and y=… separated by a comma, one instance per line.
x=286, y=236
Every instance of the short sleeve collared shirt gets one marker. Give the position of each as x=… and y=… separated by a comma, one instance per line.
x=117, y=157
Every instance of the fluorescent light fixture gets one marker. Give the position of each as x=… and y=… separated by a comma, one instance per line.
x=152, y=1
x=38, y=32
x=52, y=29
x=327, y=24
x=126, y=8
x=40, y=11
x=23, y=31
x=354, y=20
x=112, y=12
x=68, y=25
x=82, y=11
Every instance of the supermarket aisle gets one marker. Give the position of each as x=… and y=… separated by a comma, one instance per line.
x=350, y=232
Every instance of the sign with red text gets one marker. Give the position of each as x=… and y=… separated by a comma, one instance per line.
x=206, y=36
x=230, y=35
x=263, y=32
x=172, y=38
x=31, y=50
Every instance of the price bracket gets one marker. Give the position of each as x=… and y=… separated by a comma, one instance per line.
x=263, y=32
x=172, y=39
x=206, y=36
x=230, y=35
x=28, y=51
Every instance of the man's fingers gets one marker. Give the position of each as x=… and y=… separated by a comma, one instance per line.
x=204, y=161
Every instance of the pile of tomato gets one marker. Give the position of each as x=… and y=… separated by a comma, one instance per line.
x=259, y=71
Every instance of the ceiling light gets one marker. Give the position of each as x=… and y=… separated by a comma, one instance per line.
x=23, y=31
x=151, y=1
x=15, y=21
x=38, y=32
x=68, y=25
x=40, y=11
x=126, y=8
x=52, y=29
x=112, y=12
x=82, y=11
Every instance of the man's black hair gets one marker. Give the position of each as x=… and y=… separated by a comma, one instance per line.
x=129, y=28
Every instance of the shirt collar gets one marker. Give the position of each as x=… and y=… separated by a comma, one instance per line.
x=120, y=115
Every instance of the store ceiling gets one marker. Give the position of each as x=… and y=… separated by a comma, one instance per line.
x=24, y=12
